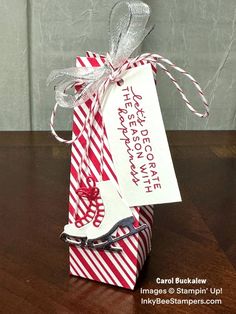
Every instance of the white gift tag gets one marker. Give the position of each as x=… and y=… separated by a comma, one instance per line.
x=138, y=142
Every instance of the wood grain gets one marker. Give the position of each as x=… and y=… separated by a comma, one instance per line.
x=195, y=238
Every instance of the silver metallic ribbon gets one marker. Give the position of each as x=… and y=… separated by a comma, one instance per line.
x=128, y=27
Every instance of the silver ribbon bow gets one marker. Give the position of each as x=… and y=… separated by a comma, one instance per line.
x=128, y=28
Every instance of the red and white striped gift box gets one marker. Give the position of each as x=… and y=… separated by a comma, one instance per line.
x=115, y=268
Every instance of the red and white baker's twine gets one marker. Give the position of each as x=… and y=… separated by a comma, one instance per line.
x=116, y=75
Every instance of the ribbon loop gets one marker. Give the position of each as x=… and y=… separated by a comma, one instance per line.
x=128, y=20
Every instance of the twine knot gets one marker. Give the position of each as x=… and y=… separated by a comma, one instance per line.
x=90, y=192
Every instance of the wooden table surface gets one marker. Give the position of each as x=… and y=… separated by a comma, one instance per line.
x=195, y=238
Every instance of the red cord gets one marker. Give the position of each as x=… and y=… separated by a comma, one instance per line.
x=91, y=192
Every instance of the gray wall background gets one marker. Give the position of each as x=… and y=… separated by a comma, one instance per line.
x=39, y=36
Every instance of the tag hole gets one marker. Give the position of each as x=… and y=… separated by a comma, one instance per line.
x=121, y=82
